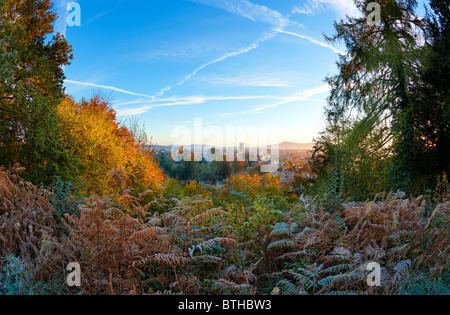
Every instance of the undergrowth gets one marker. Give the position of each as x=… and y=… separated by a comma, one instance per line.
x=238, y=239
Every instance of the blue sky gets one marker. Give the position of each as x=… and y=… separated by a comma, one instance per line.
x=229, y=62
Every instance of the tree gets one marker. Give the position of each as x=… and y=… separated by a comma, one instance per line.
x=349, y=166
x=31, y=87
x=109, y=156
x=431, y=95
x=376, y=78
x=223, y=170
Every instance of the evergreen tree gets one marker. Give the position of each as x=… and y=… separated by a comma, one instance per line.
x=376, y=78
x=431, y=114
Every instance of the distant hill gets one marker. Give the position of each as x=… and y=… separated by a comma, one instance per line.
x=286, y=147
x=292, y=146
x=162, y=147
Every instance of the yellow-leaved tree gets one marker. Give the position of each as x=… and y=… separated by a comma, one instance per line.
x=110, y=157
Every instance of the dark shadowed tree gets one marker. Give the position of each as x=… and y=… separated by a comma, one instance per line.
x=431, y=114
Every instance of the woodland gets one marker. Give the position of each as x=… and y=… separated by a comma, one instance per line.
x=79, y=185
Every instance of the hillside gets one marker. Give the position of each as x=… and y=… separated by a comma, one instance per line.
x=292, y=146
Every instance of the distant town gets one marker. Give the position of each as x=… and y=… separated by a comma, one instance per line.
x=293, y=162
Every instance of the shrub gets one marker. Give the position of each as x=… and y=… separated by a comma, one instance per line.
x=29, y=230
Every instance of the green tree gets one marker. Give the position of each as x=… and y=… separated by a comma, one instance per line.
x=223, y=170
x=376, y=78
x=186, y=170
x=31, y=87
x=348, y=165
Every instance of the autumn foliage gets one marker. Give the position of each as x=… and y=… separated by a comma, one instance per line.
x=78, y=185
x=109, y=156
x=198, y=247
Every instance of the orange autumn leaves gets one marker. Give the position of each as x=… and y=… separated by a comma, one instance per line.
x=109, y=157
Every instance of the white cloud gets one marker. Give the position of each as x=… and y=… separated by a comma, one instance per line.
x=181, y=101
x=254, y=12
x=244, y=8
x=314, y=41
x=302, y=96
x=201, y=98
x=302, y=10
x=261, y=13
x=143, y=109
x=106, y=87
x=134, y=102
x=248, y=80
x=154, y=102
x=342, y=7
x=222, y=58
